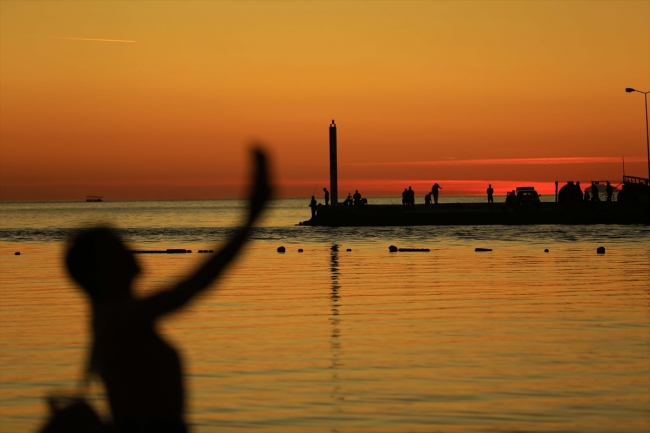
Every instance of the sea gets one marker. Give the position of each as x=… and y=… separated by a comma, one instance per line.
x=352, y=338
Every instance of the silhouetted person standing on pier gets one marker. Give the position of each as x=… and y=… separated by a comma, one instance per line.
x=511, y=198
x=490, y=193
x=142, y=373
x=312, y=205
x=411, y=197
x=594, y=191
x=356, y=197
x=405, y=197
x=427, y=198
x=610, y=191
x=434, y=190
x=327, y=197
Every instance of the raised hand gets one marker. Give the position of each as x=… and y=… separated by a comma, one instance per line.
x=169, y=300
x=261, y=188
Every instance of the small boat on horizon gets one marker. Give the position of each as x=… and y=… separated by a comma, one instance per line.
x=94, y=198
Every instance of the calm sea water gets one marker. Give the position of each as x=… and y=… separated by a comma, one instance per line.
x=365, y=340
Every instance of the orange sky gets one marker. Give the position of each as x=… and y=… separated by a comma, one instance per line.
x=421, y=92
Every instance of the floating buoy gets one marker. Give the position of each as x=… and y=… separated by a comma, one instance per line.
x=188, y=251
x=546, y=250
x=300, y=250
x=210, y=251
x=480, y=250
x=200, y=251
x=600, y=250
x=281, y=249
x=413, y=250
x=392, y=249
x=348, y=250
x=17, y=253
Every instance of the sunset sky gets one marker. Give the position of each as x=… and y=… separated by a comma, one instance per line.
x=154, y=100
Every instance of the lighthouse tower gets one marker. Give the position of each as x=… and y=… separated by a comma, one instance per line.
x=334, y=189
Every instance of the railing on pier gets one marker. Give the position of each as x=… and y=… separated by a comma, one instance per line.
x=636, y=180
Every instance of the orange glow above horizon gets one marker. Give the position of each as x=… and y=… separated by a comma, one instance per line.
x=160, y=100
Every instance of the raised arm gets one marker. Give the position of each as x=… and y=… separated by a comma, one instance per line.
x=167, y=301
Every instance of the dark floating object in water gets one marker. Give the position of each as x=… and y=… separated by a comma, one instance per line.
x=349, y=249
x=394, y=249
x=546, y=250
x=167, y=251
x=17, y=253
x=281, y=249
x=210, y=251
x=480, y=250
x=300, y=250
x=334, y=247
x=200, y=251
x=600, y=250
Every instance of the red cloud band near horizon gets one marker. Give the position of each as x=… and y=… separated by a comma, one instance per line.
x=508, y=161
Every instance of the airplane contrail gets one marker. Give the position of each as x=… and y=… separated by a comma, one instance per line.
x=91, y=39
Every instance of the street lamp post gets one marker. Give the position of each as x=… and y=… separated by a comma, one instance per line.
x=647, y=137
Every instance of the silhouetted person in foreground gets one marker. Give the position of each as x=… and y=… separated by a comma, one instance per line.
x=405, y=197
x=327, y=197
x=141, y=372
x=609, y=190
x=587, y=196
x=434, y=190
x=411, y=197
x=312, y=205
x=490, y=194
x=427, y=198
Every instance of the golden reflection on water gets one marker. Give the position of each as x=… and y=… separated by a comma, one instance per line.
x=450, y=340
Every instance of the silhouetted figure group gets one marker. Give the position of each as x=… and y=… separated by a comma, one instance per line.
x=355, y=200
x=142, y=373
x=408, y=197
x=572, y=192
x=626, y=194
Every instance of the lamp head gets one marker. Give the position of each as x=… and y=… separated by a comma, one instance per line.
x=629, y=90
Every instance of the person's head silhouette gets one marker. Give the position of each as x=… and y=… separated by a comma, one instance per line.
x=100, y=263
